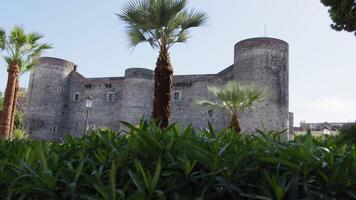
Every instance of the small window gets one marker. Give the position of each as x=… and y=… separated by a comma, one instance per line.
x=108, y=85
x=111, y=97
x=54, y=129
x=76, y=97
x=177, y=95
x=59, y=90
x=88, y=85
x=210, y=112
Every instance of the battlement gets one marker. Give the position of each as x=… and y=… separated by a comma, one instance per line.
x=260, y=42
x=138, y=73
x=56, y=61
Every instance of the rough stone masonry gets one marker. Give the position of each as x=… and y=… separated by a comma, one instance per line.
x=57, y=93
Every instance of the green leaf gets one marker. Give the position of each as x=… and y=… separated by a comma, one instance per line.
x=113, y=180
x=156, y=175
x=136, y=181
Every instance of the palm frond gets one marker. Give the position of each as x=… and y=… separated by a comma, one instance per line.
x=176, y=7
x=8, y=60
x=159, y=22
x=182, y=37
x=23, y=49
x=17, y=37
x=32, y=59
x=195, y=18
x=2, y=39
x=137, y=36
x=234, y=97
x=168, y=10
x=210, y=104
x=32, y=38
x=134, y=12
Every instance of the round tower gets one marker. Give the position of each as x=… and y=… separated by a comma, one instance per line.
x=46, y=98
x=264, y=63
x=137, y=96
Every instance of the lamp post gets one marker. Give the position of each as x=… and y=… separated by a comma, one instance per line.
x=88, y=105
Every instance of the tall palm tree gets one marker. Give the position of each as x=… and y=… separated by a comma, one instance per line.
x=161, y=23
x=2, y=46
x=234, y=98
x=22, y=53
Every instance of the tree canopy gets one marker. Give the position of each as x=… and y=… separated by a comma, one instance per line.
x=161, y=23
x=233, y=97
x=343, y=14
x=21, y=48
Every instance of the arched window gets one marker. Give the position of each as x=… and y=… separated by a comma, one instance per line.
x=76, y=97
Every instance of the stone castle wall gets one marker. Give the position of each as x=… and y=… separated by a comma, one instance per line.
x=264, y=63
x=54, y=111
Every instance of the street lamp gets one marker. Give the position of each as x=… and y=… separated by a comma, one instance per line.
x=88, y=105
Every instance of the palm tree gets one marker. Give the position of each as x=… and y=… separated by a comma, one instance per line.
x=161, y=23
x=22, y=53
x=234, y=98
x=2, y=46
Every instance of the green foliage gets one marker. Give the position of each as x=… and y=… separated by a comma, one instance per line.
x=19, y=120
x=22, y=48
x=343, y=13
x=19, y=134
x=161, y=23
x=233, y=97
x=175, y=163
x=348, y=134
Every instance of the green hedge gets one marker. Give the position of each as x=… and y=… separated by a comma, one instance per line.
x=148, y=163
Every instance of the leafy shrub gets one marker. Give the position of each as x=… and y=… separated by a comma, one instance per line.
x=19, y=134
x=19, y=120
x=148, y=163
x=348, y=134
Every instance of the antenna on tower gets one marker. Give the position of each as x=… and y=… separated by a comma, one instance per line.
x=265, y=30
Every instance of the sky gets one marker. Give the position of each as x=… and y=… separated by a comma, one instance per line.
x=322, y=61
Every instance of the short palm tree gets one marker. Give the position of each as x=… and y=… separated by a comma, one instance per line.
x=234, y=98
x=161, y=23
x=22, y=53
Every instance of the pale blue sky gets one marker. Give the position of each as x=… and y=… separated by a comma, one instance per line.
x=87, y=32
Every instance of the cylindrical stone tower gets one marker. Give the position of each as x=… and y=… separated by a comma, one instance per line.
x=264, y=63
x=47, y=92
x=137, y=96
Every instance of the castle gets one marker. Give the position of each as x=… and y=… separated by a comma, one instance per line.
x=57, y=93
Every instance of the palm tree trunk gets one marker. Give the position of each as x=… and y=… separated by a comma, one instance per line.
x=235, y=124
x=162, y=88
x=13, y=73
x=16, y=96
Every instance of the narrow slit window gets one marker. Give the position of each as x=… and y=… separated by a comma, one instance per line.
x=54, y=129
x=76, y=97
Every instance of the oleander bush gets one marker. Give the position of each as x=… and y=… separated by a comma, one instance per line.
x=348, y=134
x=176, y=163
